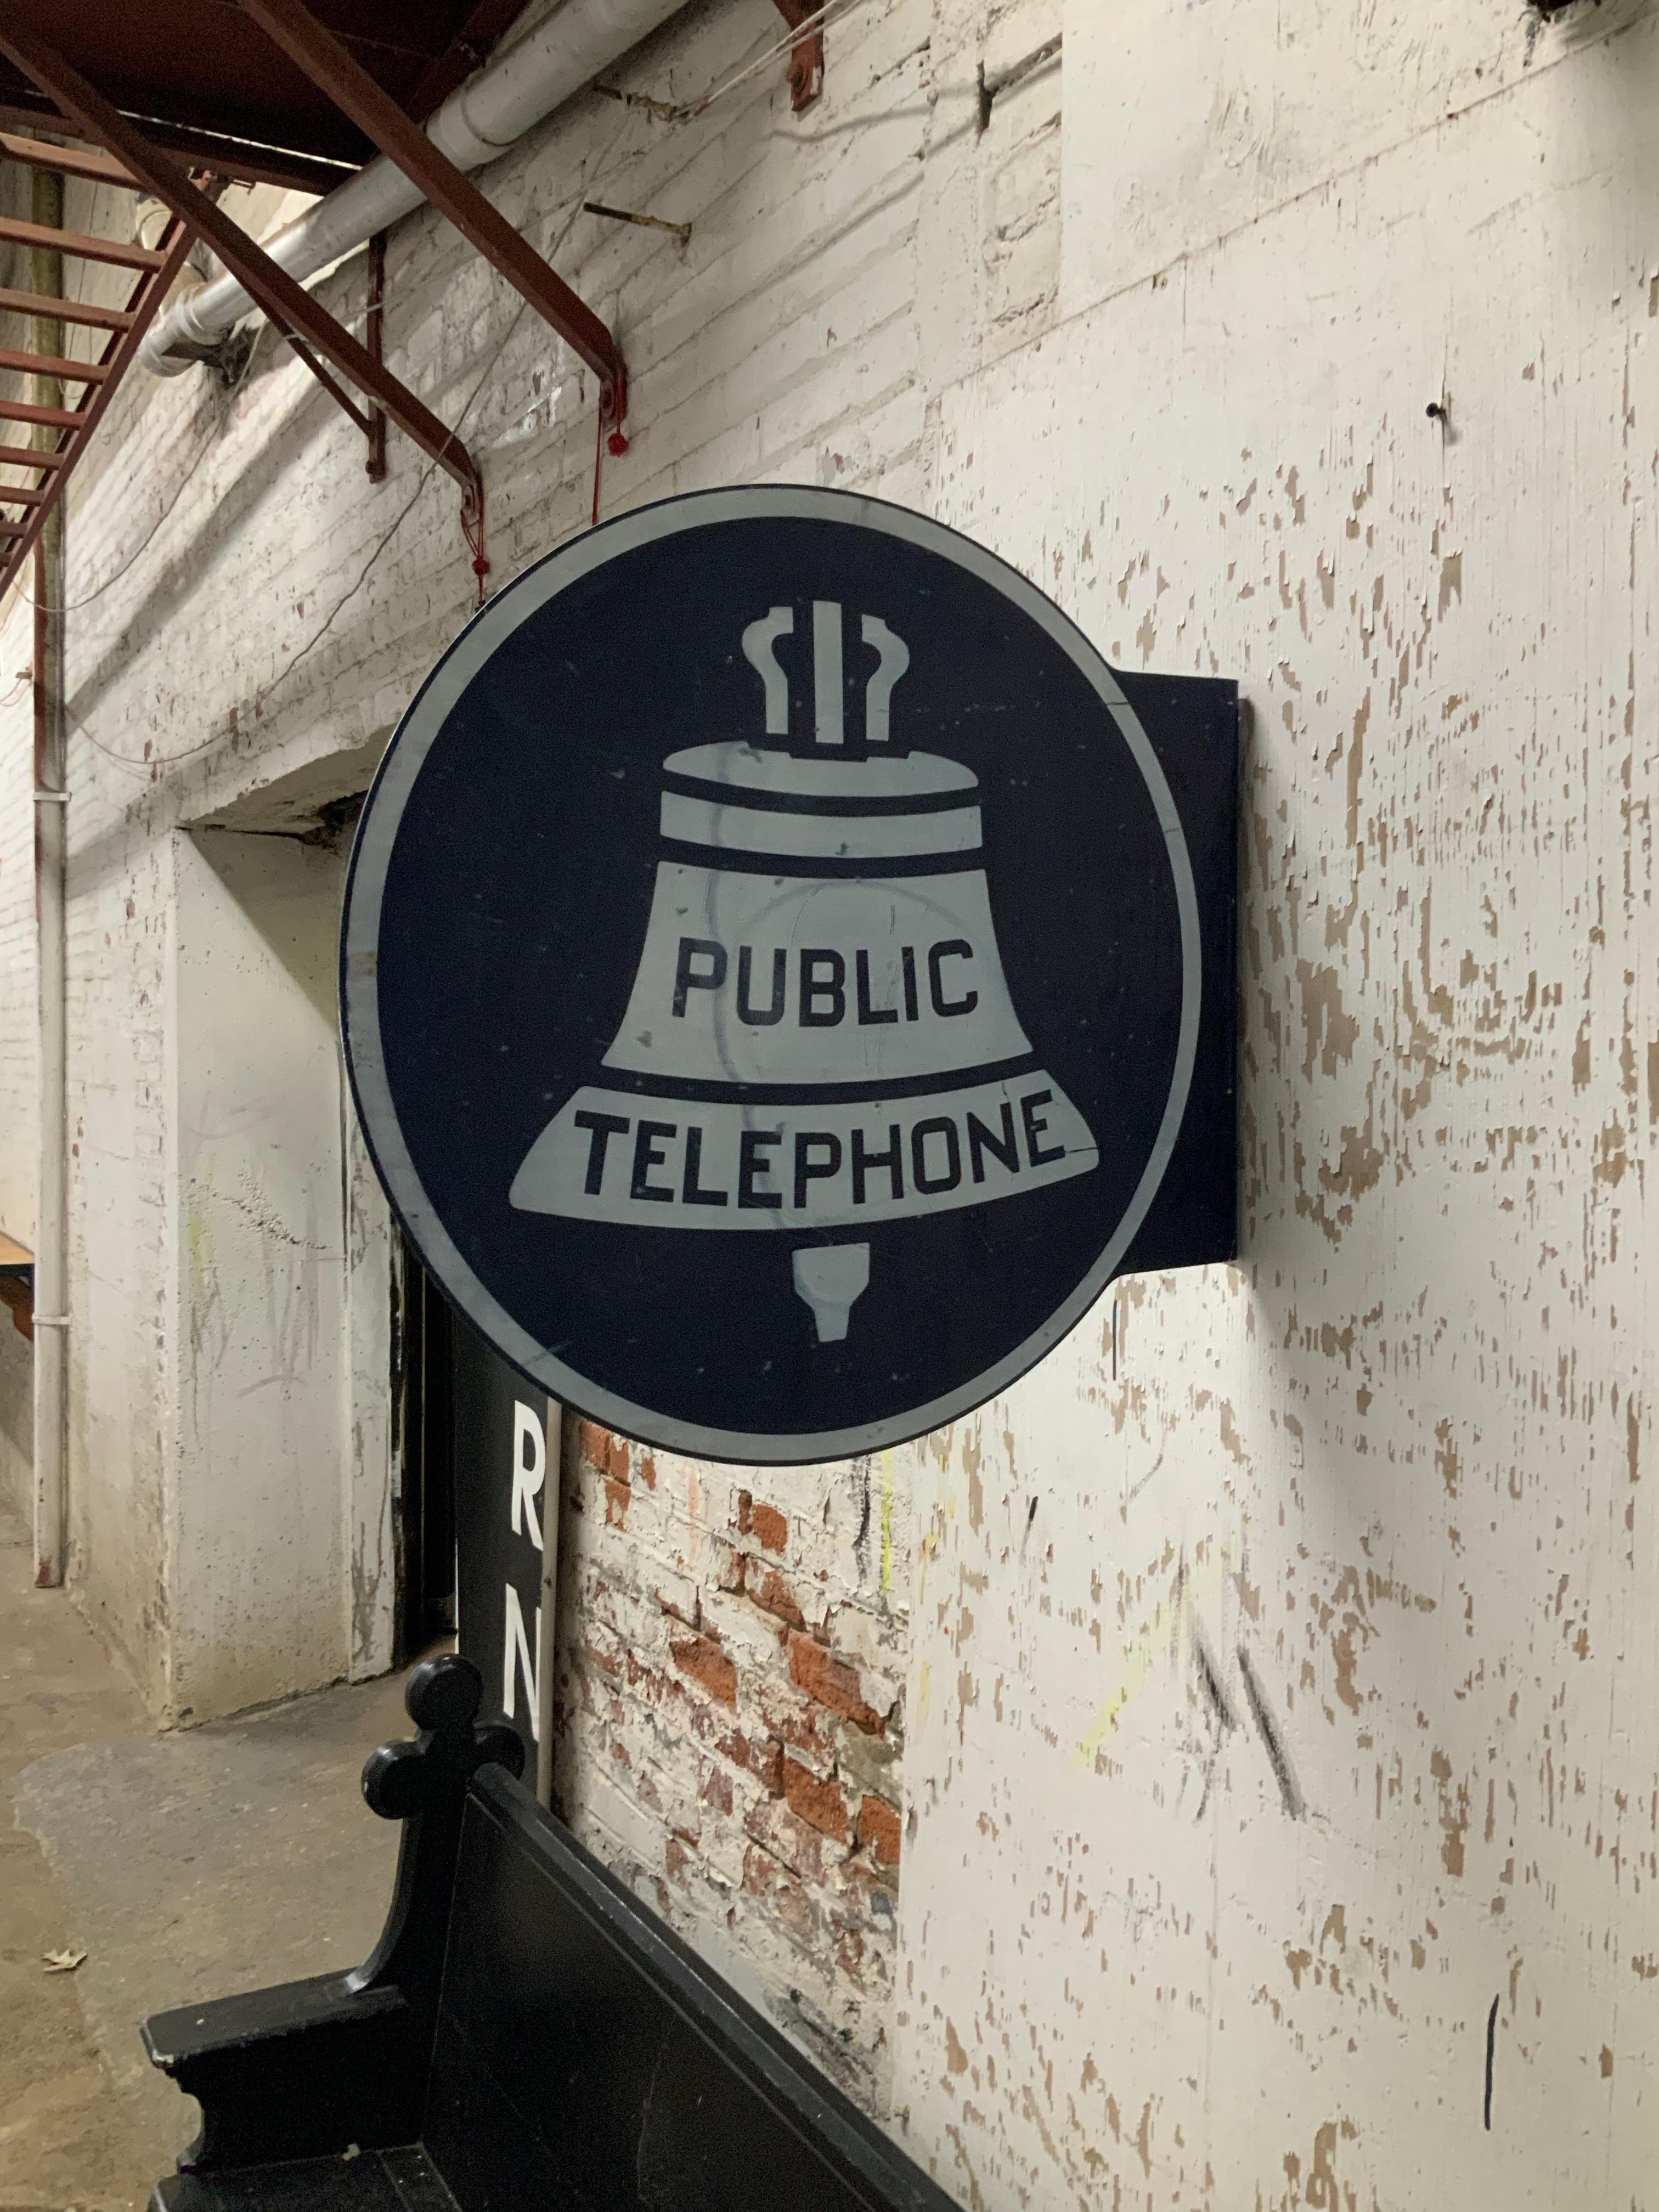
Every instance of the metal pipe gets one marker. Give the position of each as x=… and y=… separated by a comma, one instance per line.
x=50, y=848
x=489, y=113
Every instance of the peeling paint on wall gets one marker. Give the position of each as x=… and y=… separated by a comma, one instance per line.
x=1221, y=1773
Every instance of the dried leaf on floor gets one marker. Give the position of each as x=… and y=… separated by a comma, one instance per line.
x=62, y=1962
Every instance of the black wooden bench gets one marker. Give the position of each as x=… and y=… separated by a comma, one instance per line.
x=526, y=2034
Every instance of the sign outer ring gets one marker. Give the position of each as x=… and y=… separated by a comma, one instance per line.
x=406, y=755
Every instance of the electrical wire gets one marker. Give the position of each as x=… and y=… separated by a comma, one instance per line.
x=685, y=110
x=189, y=752
x=602, y=168
x=74, y=606
x=426, y=475
x=831, y=11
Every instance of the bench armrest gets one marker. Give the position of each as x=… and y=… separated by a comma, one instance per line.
x=298, y=2071
x=178, y=2040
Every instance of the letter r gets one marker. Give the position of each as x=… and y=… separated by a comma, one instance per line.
x=529, y=1467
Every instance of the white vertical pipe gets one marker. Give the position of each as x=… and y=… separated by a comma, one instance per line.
x=565, y=52
x=50, y=845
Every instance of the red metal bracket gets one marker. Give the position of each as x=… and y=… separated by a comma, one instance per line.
x=371, y=419
x=806, y=54
x=287, y=304
x=375, y=339
x=356, y=95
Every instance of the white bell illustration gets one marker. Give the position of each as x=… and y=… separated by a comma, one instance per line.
x=819, y=1037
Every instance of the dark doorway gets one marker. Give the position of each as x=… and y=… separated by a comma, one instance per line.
x=425, y=1396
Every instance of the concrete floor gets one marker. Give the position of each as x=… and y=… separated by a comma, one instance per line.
x=184, y=1865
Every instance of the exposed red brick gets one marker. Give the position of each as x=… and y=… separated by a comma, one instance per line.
x=764, y=1877
x=717, y=1790
x=705, y=1663
x=763, y=1760
x=606, y=1453
x=832, y=1682
x=850, y=1955
x=647, y=1471
x=734, y=1747
x=767, y=1760
x=746, y=1512
x=674, y=1857
x=796, y=1915
x=769, y=1590
x=770, y=1526
x=794, y=1718
x=605, y=1655
x=788, y=1838
x=820, y=1804
x=879, y=1827
x=690, y=1715
x=617, y=1497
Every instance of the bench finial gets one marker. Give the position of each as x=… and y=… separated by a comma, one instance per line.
x=442, y=1697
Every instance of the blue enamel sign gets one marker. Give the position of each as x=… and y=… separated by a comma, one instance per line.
x=786, y=974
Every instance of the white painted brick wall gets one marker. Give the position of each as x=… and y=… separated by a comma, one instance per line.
x=1164, y=335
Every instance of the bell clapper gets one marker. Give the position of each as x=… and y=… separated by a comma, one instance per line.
x=831, y=1278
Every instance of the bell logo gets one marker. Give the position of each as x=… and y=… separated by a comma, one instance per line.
x=820, y=1035
x=786, y=975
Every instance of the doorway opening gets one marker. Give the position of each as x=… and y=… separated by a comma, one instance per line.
x=425, y=1352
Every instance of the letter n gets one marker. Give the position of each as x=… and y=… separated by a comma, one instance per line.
x=517, y=1655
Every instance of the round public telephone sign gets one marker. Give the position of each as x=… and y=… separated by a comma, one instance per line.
x=771, y=974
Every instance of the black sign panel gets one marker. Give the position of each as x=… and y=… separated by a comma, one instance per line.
x=505, y=1489
x=786, y=974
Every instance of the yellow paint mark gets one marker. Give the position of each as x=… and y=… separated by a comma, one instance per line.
x=1202, y=1585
